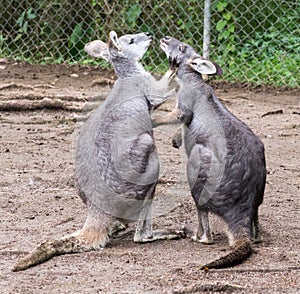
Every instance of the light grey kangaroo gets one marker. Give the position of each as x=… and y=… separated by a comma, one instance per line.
x=117, y=166
x=226, y=163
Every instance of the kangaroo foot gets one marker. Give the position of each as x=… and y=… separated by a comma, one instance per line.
x=162, y=235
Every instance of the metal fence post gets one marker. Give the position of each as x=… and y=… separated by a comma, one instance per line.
x=206, y=31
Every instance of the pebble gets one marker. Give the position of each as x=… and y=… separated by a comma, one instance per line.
x=74, y=75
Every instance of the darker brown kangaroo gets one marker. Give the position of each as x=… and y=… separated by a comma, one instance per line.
x=226, y=163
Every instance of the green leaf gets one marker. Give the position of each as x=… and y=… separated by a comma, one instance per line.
x=25, y=27
x=133, y=13
x=179, y=22
x=231, y=28
x=221, y=6
x=76, y=35
x=21, y=19
x=18, y=37
x=30, y=14
x=227, y=15
x=220, y=25
x=226, y=34
x=231, y=47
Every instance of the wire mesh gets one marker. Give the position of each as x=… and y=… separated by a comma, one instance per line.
x=253, y=41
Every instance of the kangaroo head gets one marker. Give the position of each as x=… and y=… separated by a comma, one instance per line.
x=131, y=47
x=187, y=57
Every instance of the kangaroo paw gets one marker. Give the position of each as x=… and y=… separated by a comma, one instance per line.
x=163, y=235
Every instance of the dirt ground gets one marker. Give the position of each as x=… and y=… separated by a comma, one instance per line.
x=39, y=200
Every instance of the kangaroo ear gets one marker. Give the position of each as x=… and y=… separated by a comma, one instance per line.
x=205, y=67
x=114, y=41
x=98, y=49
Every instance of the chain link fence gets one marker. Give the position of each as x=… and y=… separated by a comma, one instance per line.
x=253, y=41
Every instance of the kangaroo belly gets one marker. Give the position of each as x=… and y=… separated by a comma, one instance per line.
x=116, y=160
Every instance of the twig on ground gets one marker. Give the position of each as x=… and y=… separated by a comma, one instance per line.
x=272, y=112
x=211, y=288
x=256, y=270
x=33, y=97
x=45, y=103
x=15, y=86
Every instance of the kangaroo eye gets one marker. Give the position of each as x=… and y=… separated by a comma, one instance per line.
x=131, y=41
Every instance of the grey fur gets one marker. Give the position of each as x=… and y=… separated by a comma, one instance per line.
x=226, y=162
x=117, y=165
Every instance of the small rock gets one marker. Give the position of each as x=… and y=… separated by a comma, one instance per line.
x=74, y=75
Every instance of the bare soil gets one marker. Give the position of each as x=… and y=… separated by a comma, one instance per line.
x=39, y=200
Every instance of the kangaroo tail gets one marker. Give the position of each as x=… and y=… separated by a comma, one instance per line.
x=241, y=251
x=81, y=241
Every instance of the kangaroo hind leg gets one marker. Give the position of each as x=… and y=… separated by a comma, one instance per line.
x=144, y=232
x=203, y=233
x=256, y=230
x=93, y=235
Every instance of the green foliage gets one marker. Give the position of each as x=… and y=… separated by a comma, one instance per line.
x=132, y=14
x=270, y=60
x=271, y=56
x=226, y=27
x=23, y=22
x=2, y=40
x=252, y=40
x=75, y=42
